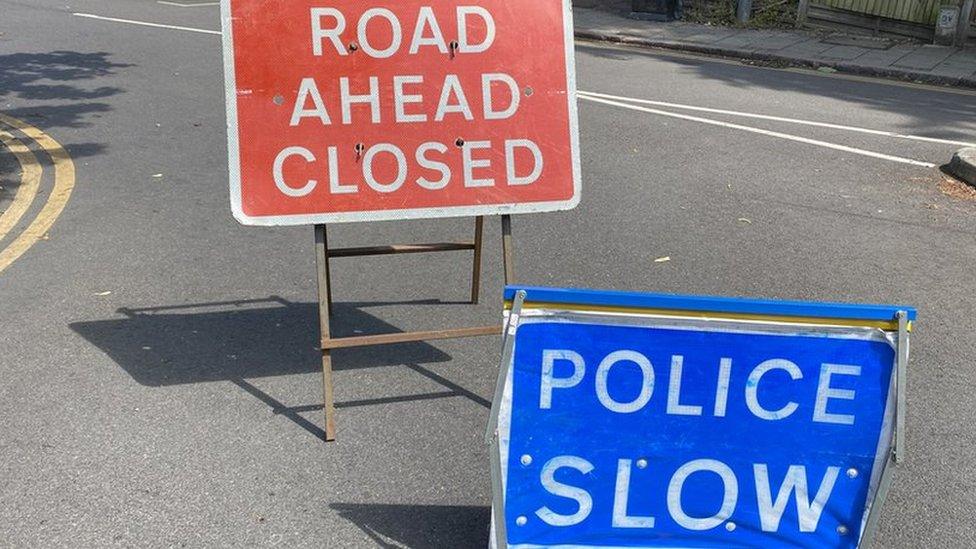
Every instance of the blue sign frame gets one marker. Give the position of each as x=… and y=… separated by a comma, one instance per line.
x=647, y=420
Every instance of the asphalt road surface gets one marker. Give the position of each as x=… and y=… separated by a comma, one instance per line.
x=160, y=379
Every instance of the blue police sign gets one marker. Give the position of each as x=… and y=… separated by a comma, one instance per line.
x=640, y=420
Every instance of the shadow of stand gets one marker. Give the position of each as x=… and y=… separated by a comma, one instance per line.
x=419, y=526
x=244, y=339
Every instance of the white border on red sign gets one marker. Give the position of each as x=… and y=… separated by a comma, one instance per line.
x=233, y=152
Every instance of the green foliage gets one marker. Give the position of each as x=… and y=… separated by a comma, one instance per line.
x=773, y=13
x=710, y=12
x=765, y=13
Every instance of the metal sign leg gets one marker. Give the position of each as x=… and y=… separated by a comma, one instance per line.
x=901, y=386
x=491, y=432
x=897, y=452
x=325, y=306
x=508, y=258
x=328, y=276
x=874, y=513
x=479, y=225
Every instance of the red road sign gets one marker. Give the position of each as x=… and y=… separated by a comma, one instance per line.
x=353, y=110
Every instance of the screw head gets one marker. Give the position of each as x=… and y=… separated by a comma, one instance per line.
x=852, y=473
x=521, y=521
x=526, y=460
x=730, y=526
x=842, y=530
x=642, y=463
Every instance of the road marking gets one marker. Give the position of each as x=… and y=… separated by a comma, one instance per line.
x=182, y=5
x=146, y=23
x=64, y=183
x=30, y=181
x=781, y=119
x=761, y=131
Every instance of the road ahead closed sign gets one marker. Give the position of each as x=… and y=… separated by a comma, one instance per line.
x=358, y=110
x=636, y=420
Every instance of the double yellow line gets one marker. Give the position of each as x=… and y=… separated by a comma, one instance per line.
x=64, y=183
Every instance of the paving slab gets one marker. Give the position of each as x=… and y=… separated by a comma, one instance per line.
x=926, y=57
x=782, y=40
x=958, y=62
x=707, y=37
x=885, y=58
x=844, y=52
x=739, y=40
x=807, y=49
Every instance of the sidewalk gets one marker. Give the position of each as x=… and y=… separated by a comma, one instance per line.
x=846, y=53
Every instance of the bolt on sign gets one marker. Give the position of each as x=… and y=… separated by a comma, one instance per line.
x=627, y=420
x=357, y=110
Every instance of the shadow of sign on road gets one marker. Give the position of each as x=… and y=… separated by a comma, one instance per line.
x=419, y=526
x=239, y=340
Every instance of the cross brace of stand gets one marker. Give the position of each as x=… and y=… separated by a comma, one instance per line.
x=323, y=254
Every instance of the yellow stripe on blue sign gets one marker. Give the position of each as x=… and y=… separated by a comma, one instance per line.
x=717, y=308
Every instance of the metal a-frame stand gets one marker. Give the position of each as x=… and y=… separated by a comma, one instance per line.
x=323, y=254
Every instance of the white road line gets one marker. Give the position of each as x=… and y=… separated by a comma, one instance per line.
x=761, y=131
x=182, y=5
x=146, y=24
x=780, y=119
